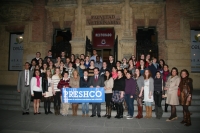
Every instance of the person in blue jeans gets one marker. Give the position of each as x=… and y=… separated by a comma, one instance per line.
x=84, y=84
x=130, y=89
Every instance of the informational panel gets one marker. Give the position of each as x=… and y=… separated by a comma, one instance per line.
x=103, y=38
x=195, y=51
x=83, y=95
x=16, y=52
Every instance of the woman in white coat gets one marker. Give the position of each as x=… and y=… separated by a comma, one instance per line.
x=172, y=88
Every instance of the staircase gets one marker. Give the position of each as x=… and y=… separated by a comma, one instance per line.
x=10, y=100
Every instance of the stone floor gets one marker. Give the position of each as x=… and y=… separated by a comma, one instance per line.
x=15, y=122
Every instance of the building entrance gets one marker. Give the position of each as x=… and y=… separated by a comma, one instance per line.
x=146, y=42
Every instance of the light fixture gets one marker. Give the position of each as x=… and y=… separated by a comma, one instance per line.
x=198, y=35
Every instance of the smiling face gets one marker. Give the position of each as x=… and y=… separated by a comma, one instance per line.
x=174, y=73
x=183, y=74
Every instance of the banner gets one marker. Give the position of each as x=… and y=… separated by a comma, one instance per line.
x=16, y=52
x=103, y=38
x=195, y=51
x=83, y=95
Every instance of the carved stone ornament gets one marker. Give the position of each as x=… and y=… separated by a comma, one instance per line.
x=15, y=11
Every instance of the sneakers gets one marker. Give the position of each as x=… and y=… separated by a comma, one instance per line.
x=126, y=115
x=129, y=117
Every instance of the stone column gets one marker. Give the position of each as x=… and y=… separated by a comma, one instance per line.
x=78, y=42
x=127, y=43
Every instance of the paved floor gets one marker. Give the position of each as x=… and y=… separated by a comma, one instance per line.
x=15, y=122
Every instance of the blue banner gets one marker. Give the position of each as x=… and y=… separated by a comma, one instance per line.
x=83, y=95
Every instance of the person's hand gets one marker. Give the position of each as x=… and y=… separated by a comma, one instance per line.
x=189, y=98
x=44, y=94
x=98, y=86
x=18, y=91
x=163, y=96
x=140, y=94
x=121, y=96
x=32, y=95
x=149, y=96
x=91, y=86
x=166, y=88
x=104, y=88
x=131, y=96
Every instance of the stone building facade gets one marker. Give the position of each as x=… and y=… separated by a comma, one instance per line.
x=173, y=20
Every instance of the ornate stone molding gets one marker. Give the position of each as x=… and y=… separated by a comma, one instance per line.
x=147, y=12
x=15, y=11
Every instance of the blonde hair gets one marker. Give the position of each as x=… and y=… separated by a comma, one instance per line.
x=76, y=72
x=60, y=76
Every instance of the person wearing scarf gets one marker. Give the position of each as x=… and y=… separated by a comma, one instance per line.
x=36, y=90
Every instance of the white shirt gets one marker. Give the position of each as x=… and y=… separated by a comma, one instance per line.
x=27, y=77
x=34, y=85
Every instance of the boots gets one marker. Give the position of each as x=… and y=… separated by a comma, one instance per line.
x=156, y=111
x=166, y=106
x=150, y=111
x=73, y=110
x=140, y=112
x=121, y=110
x=55, y=110
x=109, y=112
x=137, y=116
x=76, y=109
x=106, y=112
x=160, y=112
x=113, y=105
x=117, y=108
x=147, y=112
x=184, y=118
x=58, y=110
x=188, y=119
x=45, y=107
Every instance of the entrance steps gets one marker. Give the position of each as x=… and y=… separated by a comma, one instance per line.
x=10, y=100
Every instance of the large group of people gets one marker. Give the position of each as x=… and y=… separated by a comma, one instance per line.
x=145, y=80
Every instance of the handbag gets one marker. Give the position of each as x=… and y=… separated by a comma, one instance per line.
x=179, y=92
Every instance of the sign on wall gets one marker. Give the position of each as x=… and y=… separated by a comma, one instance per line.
x=103, y=38
x=103, y=20
x=83, y=95
x=16, y=52
x=195, y=51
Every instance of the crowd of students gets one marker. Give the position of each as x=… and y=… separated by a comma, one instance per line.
x=143, y=80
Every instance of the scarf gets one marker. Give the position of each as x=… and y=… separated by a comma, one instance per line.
x=114, y=75
x=165, y=75
x=38, y=81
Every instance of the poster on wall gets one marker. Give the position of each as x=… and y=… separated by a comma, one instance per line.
x=103, y=38
x=195, y=51
x=16, y=52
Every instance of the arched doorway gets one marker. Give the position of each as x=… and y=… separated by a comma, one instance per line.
x=146, y=42
x=61, y=42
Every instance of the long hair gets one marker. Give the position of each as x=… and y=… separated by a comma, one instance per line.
x=46, y=76
x=147, y=77
x=186, y=71
x=135, y=75
x=110, y=75
x=60, y=76
x=35, y=71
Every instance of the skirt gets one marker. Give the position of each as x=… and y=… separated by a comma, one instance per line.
x=116, y=97
x=37, y=95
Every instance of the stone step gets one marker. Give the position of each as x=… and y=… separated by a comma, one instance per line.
x=79, y=112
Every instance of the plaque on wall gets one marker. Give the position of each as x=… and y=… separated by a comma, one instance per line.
x=103, y=37
x=103, y=20
x=16, y=52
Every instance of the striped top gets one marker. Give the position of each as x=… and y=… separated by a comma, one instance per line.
x=54, y=81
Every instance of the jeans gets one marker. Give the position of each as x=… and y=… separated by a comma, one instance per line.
x=130, y=104
x=148, y=103
x=85, y=108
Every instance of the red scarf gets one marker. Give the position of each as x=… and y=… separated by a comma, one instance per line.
x=38, y=81
x=165, y=74
x=114, y=75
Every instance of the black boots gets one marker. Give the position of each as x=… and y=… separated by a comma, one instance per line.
x=109, y=112
x=120, y=110
x=166, y=106
x=184, y=118
x=106, y=112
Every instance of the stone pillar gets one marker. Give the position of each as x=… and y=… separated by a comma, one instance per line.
x=127, y=43
x=78, y=41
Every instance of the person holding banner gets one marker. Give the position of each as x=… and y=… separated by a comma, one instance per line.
x=64, y=83
x=56, y=92
x=84, y=83
x=96, y=81
x=74, y=83
x=108, y=92
x=118, y=93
